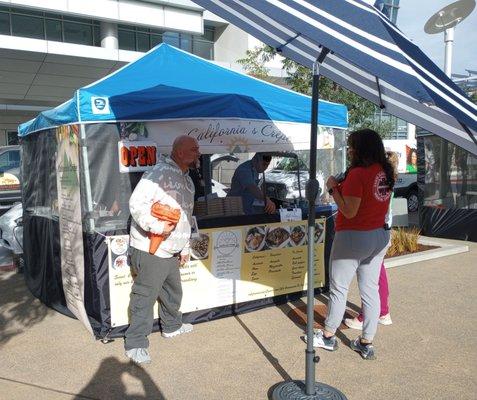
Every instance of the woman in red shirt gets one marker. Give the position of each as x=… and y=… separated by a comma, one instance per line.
x=361, y=239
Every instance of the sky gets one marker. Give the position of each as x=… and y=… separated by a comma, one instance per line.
x=413, y=15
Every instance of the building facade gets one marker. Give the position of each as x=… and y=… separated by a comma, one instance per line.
x=48, y=49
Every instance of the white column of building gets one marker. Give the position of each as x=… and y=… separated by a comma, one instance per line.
x=109, y=35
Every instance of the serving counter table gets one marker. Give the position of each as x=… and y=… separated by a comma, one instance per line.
x=238, y=264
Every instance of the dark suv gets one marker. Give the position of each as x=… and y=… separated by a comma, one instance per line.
x=10, y=186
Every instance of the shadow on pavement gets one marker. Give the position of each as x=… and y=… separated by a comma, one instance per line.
x=19, y=310
x=269, y=356
x=107, y=383
x=296, y=312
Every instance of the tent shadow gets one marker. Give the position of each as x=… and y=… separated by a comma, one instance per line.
x=19, y=310
x=107, y=382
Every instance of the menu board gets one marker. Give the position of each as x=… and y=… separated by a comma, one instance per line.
x=233, y=265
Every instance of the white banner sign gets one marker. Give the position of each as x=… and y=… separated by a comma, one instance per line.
x=71, y=230
x=238, y=136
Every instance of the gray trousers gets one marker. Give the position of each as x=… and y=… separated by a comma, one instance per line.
x=157, y=278
x=361, y=253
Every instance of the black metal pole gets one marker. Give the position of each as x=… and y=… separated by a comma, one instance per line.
x=313, y=390
x=312, y=188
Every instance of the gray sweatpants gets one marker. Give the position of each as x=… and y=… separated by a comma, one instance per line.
x=156, y=278
x=360, y=252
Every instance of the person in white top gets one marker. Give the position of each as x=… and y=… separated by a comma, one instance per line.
x=157, y=275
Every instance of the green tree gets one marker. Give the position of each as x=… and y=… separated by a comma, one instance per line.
x=473, y=97
x=299, y=78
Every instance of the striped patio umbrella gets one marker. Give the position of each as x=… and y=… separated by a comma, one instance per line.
x=368, y=55
x=355, y=45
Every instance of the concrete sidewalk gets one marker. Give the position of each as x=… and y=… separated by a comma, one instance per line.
x=429, y=352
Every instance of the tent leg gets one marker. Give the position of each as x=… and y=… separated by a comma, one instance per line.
x=310, y=389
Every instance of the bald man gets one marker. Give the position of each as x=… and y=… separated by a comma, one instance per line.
x=158, y=274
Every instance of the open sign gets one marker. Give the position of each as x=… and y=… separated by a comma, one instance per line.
x=136, y=156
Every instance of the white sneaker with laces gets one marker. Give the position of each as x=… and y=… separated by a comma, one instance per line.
x=319, y=340
x=185, y=328
x=139, y=355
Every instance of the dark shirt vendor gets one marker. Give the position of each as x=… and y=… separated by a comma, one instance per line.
x=245, y=184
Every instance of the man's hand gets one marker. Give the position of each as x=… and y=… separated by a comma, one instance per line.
x=166, y=228
x=269, y=206
x=184, y=258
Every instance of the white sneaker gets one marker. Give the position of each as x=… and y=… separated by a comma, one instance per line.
x=355, y=323
x=330, y=344
x=139, y=356
x=185, y=328
x=385, y=319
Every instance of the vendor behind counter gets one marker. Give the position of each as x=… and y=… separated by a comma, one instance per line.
x=245, y=185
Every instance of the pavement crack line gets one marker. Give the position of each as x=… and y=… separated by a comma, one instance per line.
x=77, y=396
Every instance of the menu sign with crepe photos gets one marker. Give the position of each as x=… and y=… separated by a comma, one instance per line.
x=231, y=265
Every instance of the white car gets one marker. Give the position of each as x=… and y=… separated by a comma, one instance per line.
x=11, y=234
x=11, y=229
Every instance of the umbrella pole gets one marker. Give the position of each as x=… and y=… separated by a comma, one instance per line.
x=312, y=188
x=310, y=389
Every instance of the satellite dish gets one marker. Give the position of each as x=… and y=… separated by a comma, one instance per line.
x=449, y=16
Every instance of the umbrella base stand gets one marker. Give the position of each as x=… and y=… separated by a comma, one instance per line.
x=295, y=390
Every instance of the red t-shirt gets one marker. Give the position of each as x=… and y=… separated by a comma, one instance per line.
x=370, y=185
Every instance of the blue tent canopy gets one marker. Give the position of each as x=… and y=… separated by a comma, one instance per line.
x=169, y=84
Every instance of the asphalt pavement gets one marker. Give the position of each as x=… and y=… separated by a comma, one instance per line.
x=429, y=352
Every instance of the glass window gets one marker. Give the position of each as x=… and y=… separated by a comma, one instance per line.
x=28, y=12
x=4, y=161
x=78, y=33
x=75, y=19
x=127, y=27
x=97, y=36
x=171, y=38
x=14, y=158
x=450, y=175
x=155, y=40
x=186, y=42
x=53, y=30
x=12, y=138
x=126, y=40
x=31, y=27
x=203, y=49
x=209, y=33
x=55, y=16
x=142, y=42
x=4, y=24
x=9, y=160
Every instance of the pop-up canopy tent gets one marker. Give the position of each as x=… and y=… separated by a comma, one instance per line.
x=168, y=84
x=73, y=192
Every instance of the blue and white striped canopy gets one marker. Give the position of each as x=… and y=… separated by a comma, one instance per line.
x=369, y=56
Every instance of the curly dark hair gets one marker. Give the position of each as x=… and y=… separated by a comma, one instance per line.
x=368, y=149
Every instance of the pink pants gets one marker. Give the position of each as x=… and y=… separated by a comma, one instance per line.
x=383, y=293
